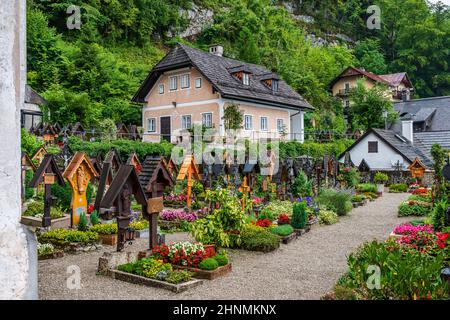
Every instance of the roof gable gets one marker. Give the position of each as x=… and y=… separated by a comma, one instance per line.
x=79, y=160
x=48, y=165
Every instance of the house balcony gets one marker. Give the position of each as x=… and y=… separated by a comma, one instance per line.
x=344, y=92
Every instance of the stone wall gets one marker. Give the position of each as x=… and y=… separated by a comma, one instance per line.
x=18, y=260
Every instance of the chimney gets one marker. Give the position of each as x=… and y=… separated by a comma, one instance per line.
x=407, y=130
x=216, y=49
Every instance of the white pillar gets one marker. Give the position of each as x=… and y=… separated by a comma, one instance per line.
x=302, y=127
x=298, y=126
x=17, y=270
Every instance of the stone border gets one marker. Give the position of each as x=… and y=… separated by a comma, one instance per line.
x=207, y=274
x=53, y=255
x=290, y=238
x=135, y=279
x=63, y=222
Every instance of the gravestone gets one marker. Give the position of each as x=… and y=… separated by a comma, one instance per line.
x=189, y=170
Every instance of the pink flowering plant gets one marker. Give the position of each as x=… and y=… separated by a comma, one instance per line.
x=178, y=214
x=407, y=228
x=176, y=198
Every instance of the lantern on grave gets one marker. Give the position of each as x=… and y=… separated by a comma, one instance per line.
x=417, y=168
x=154, y=178
x=189, y=170
x=49, y=174
x=118, y=200
x=79, y=172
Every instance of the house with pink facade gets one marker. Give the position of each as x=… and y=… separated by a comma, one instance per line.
x=190, y=86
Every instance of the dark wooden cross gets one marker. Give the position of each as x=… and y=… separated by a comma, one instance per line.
x=49, y=174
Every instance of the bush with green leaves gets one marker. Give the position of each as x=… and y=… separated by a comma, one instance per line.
x=82, y=223
x=367, y=187
x=255, y=238
x=94, y=218
x=221, y=259
x=380, y=178
x=299, y=215
x=358, y=198
x=398, y=188
x=178, y=276
x=108, y=228
x=208, y=264
x=29, y=192
x=439, y=213
x=404, y=275
x=283, y=230
x=351, y=177
x=336, y=200
x=412, y=208
x=327, y=217
x=45, y=249
x=61, y=237
x=301, y=186
x=146, y=267
x=36, y=209
x=275, y=208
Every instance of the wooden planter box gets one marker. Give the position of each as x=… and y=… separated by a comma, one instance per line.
x=289, y=238
x=108, y=239
x=300, y=232
x=207, y=274
x=63, y=222
x=132, y=278
x=54, y=255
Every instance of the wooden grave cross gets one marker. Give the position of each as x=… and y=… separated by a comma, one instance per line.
x=189, y=170
x=244, y=189
x=49, y=174
x=79, y=173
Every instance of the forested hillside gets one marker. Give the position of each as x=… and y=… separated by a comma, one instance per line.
x=91, y=74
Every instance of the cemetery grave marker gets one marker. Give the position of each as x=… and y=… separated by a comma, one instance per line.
x=189, y=170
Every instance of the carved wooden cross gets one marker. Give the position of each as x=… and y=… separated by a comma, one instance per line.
x=244, y=189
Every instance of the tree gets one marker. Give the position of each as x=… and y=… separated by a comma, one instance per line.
x=370, y=57
x=368, y=106
x=233, y=117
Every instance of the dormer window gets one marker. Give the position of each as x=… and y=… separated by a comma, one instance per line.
x=274, y=85
x=246, y=79
x=271, y=81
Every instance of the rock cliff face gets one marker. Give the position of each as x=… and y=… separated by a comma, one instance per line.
x=200, y=17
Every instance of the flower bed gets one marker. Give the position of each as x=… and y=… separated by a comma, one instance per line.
x=179, y=214
x=70, y=240
x=414, y=208
x=175, y=201
x=181, y=253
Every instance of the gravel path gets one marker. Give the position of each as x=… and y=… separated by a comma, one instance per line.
x=307, y=268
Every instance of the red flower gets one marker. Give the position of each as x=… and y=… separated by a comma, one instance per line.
x=283, y=219
x=265, y=223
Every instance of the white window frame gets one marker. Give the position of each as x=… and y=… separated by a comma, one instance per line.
x=261, y=124
x=162, y=88
x=245, y=121
x=185, y=116
x=275, y=85
x=183, y=76
x=154, y=125
x=211, y=119
x=171, y=82
x=347, y=103
x=199, y=81
x=282, y=125
x=246, y=79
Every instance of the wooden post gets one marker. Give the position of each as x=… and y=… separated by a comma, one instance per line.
x=245, y=190
x=48, y=181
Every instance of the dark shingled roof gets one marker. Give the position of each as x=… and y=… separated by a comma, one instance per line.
x=426, y=140
x=217, y=70
x=436, y=109
x=148, y=172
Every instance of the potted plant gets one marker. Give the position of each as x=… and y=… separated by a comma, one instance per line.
x=106, y=232
x=380, y=179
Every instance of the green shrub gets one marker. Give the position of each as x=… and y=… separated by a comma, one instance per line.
x=208, y=264
x=327, y=217
x=221, y=259
x=421, y=197
x=109, y=228
x=128, y=267
x=259, y=239
x=439, y=213
x=351, y=177
x=406, y=209
x=380, y=178
x=63, y=237
x=336, y=200
x=404, y=274
x=36, y=209
x=178, y=276
x=29, y=192
x=301, y=186
x=63, y=196
x=398, y=188
x=45, y=249
x=283, y=230
x=82, y=223
x=275, y=208
x=149, y=267
x=358, y=198
x=94, y=218
x=299, y=215
x=367, y=187
x=139, y=224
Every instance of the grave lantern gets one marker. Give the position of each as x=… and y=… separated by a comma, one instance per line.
x=49, y=174
x=154, y=178
x=118, y=200
x=79, y=172
x=189, y=170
